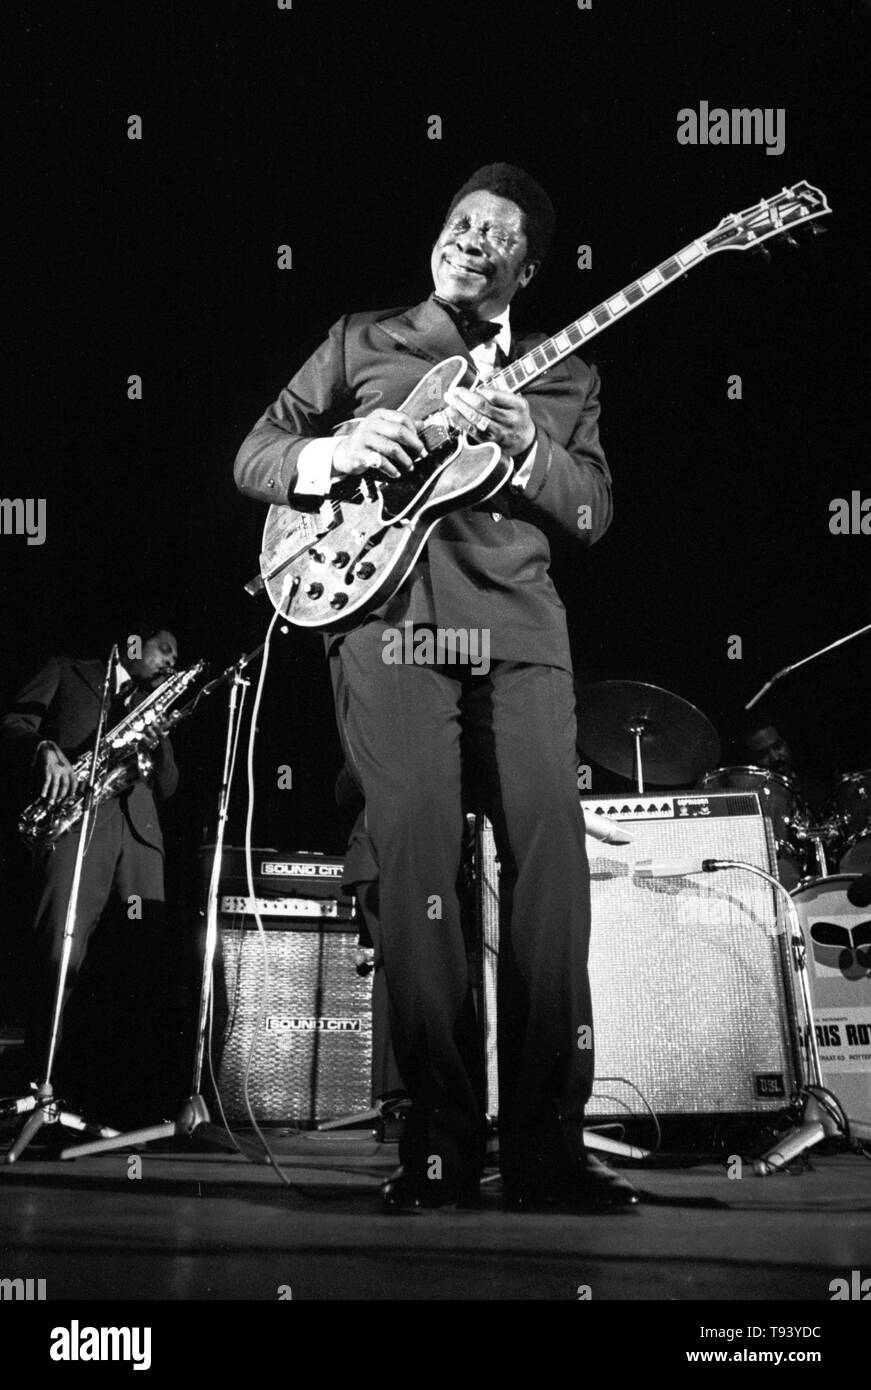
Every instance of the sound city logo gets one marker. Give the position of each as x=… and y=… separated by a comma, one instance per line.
x=275, y=1023
x=298, y=869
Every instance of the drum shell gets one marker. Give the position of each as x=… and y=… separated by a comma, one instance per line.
x=780, y=801
x=849, y=807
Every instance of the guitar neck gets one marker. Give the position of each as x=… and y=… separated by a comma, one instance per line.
x=539, y=359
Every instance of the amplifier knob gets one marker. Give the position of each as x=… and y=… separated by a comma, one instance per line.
x=339, y=601
x=366, y=570
x=315, y=590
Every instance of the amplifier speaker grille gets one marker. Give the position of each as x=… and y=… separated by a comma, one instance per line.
x=312, y=1058
x=692, y=989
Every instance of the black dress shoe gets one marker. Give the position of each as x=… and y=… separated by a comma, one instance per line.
x=592, y=1187
x=405, y=1192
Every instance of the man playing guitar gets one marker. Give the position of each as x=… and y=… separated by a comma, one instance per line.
x=418, y=734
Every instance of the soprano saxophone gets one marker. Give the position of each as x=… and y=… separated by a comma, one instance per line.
x=126, y=756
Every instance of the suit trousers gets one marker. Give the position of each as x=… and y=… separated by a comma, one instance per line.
x=122, y=869
x=423, y=740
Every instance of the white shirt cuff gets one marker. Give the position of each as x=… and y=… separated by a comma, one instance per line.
x=314, y=468
x=524, y=472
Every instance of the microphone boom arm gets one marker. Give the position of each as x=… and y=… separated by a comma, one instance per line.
x=804, y=661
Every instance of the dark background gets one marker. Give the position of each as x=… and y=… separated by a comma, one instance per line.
x=309, y=127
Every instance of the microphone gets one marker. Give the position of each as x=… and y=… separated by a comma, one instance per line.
x=791, y=1147
x=601, y=828
x=676, y=868
x=859, y=893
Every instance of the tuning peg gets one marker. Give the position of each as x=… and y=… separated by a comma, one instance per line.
x=763, y=251
x=818, y=230
x=788, y=238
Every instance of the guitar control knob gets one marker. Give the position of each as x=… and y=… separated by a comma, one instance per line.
x=365, y=570
x=315, y=590
x=338, y=601
x=317, y=556
x=341, y=558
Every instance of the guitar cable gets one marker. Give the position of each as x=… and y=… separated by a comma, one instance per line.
x=249, y=875
x=264, y=981
x=280, y=614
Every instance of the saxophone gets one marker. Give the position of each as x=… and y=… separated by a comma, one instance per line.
x=126, y=756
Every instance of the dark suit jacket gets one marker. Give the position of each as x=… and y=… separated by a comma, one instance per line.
x=485, y=566
x=62, y=703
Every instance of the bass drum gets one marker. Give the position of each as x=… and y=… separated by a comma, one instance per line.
x=780, y=801
x=849, y=808
x=837, y=939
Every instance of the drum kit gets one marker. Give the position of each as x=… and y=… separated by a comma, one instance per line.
x=807, y=849
x=640, y=731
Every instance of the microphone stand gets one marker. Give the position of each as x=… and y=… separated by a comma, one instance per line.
x=804, y=661
x=820, y=1114
x=193, y=1119
x=44, y=1107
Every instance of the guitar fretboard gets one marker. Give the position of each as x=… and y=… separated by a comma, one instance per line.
x=554, y=349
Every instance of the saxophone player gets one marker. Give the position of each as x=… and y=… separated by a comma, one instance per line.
x=51, y=723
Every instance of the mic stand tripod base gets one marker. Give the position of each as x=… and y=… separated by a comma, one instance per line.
x=819, y=1120
x=193, y=1119
x=192, y=1122
x=359, y=1117
x=46, y=1110
x=600, y=1143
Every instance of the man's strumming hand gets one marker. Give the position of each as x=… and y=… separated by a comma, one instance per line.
x=384, y=442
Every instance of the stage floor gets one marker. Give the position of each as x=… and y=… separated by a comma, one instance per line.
x=173, y=1222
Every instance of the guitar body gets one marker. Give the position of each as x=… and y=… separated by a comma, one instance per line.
x=329, y=568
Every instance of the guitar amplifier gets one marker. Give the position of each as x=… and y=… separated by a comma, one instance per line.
x=284, y=874
x=693, y=1002
x=304, y=1015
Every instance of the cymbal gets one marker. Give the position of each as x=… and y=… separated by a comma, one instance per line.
x=678, y=742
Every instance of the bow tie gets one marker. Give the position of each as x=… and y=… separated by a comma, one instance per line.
x=472, y=330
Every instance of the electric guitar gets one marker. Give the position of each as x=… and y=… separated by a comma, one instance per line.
x=330, y=567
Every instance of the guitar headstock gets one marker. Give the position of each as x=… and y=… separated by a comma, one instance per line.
x=772, y=217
